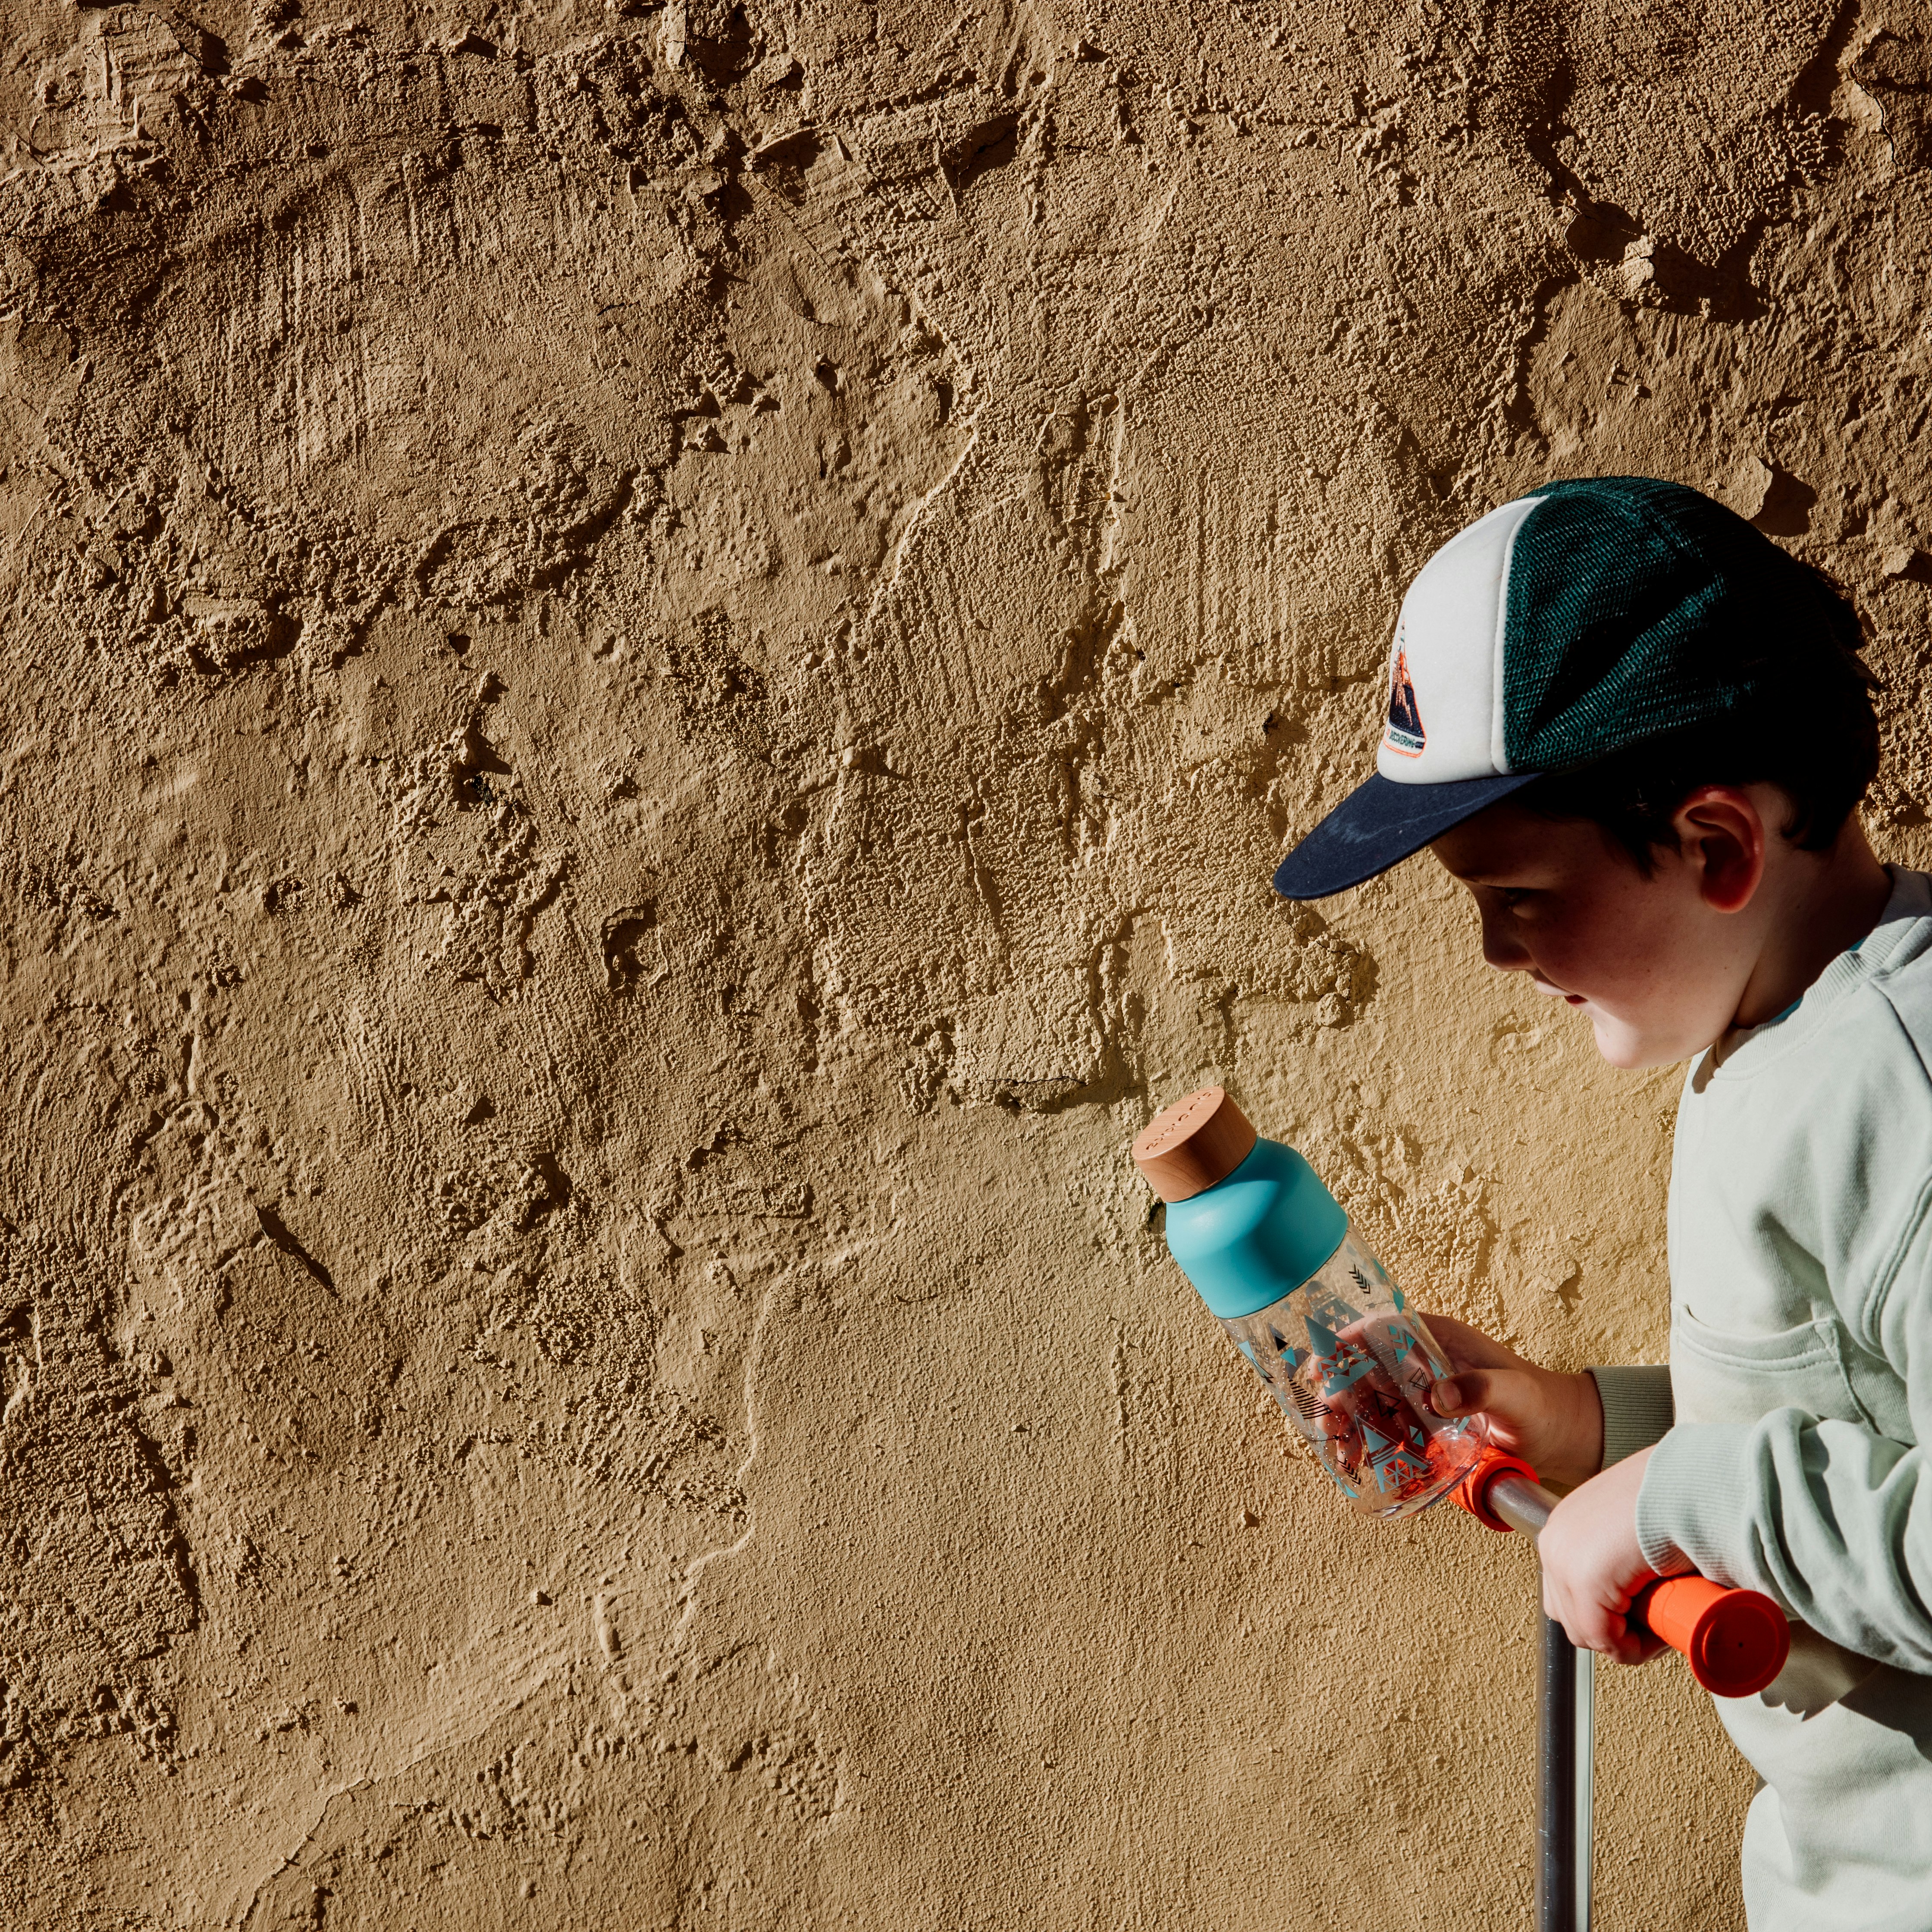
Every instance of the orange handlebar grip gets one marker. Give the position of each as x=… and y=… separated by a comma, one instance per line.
x=1472, y=1493
x=1735, y=1641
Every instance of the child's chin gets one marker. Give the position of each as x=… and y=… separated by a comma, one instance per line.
x=1626, y=1046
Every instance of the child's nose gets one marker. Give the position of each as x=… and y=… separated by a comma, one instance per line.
x=1501, y=946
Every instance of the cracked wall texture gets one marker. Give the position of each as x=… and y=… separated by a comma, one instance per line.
x=655, y=657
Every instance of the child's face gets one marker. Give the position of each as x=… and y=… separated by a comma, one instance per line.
x=1660, y=964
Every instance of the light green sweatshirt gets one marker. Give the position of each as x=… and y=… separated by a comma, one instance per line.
x=1801, y=1367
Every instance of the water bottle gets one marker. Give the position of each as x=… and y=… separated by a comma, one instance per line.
x=1308, y=1305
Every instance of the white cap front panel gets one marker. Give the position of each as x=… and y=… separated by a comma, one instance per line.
x=1445, y=684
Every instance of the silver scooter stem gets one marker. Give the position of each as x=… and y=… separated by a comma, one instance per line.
x=1565, y=1739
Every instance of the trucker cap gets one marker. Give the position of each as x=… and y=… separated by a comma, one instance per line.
x=1581, y=619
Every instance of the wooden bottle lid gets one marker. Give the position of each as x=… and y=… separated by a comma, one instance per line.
x=1186, y=1148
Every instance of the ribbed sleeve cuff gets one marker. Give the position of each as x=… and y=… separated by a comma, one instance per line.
x=1694, y=1510
x=1638, y=1409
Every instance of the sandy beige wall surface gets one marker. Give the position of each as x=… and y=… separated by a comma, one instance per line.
x=654, y=657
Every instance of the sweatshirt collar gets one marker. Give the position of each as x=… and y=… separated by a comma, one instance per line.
x=1747, y=1049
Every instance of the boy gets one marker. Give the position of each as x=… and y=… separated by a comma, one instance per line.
x=1638, y=732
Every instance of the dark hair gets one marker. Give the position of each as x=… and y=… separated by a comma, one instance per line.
x=1810, y=731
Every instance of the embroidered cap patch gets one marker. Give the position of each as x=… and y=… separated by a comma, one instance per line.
x=1405, y=733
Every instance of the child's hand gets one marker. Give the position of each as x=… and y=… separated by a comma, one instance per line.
x=1591, y=1565
x=1554, y=1422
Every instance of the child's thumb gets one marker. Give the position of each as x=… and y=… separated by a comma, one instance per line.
x=1470, y=1390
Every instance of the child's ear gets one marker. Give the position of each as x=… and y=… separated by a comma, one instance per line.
x=1720, y=834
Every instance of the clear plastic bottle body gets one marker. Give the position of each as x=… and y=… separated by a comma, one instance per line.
x=1351, y=1364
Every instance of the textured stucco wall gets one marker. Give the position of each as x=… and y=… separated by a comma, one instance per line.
x=654, y=657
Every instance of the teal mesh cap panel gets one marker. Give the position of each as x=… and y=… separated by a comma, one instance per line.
x=1636, y=606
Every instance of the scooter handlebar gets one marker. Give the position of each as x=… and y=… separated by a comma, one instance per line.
x=1735, y=1641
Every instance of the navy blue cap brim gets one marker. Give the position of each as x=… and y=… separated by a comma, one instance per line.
x=1378, y=825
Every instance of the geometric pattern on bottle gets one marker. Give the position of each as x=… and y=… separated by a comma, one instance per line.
x=1351, y=1365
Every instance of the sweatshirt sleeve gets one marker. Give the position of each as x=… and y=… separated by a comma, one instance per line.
x=1829, y=1517
x=1637, y=1408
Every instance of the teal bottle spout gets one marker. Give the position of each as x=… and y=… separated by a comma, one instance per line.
x=1257, y=1235
x=1248, y=1220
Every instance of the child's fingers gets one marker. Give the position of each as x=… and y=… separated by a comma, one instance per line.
x=1634, y=1646
x=1628, y=1649
x=1591, y=1625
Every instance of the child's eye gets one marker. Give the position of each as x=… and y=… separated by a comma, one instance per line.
x=1512, y=896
